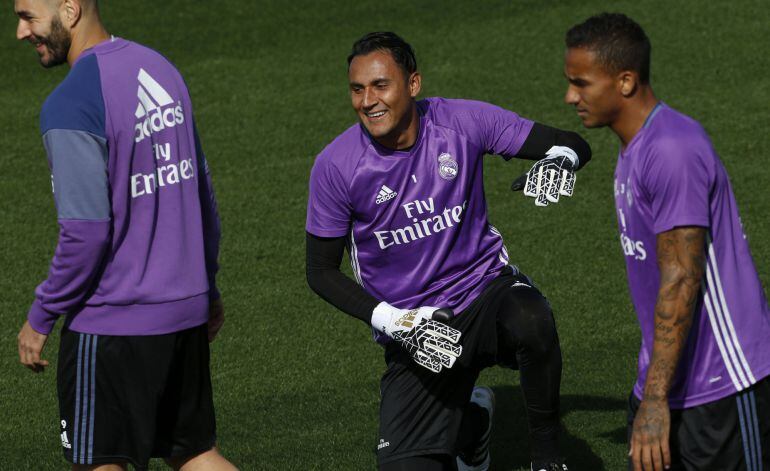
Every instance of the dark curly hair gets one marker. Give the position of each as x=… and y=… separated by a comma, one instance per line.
x=401, y=51
x=618, y=42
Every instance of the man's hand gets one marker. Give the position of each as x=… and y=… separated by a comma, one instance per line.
x=649, y=439
x=421, y=332
x=550, y=177
x=216, y=318
x=31, y=343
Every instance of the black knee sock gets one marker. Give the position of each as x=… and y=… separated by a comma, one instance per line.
x=528, y=331
x=540, y=379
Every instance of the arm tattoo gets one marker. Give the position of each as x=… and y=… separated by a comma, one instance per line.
x=682, y=261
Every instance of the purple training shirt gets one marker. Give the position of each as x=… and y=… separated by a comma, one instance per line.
x=139, y=230
x=669, y=176
x=417, y=219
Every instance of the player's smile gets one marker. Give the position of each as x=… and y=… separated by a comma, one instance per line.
x=374, y=115
x=41, y=45
x=377, y=122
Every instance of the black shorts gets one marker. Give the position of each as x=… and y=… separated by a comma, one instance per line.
x=421, y=411
x=129, y=398
x=729, y=434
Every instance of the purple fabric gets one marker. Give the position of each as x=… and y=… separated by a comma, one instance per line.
x=77, y=258
x=153, y=261
x=670, y=176
x=418, y=219
x=141, y=319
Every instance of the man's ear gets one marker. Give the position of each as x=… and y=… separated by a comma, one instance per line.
x=628, y=82
x=71, y=11
x=415, y=84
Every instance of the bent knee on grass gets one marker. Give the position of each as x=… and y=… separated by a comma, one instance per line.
x=208, y=460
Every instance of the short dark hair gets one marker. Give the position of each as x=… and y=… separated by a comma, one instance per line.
x=401, y=51
x=618, y=42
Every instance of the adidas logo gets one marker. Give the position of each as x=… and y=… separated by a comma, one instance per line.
x=151, y=95
x=154, y=107
x=385, y=194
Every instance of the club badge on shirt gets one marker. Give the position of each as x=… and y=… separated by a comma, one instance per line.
x=447, y=166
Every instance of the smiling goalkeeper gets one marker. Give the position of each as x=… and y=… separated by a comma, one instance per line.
x=403, y=191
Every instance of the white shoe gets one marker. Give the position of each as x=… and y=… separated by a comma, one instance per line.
x=482, y=396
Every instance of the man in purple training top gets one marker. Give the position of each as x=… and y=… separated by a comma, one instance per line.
x=701, y=400
x=404, y=191
x=133, y=272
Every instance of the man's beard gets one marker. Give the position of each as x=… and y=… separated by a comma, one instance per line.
x=58, y=43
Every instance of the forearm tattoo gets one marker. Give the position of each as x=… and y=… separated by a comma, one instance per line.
x=682, y=261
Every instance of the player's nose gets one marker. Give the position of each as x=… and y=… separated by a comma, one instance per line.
x=22, y=30
x=369, y=99
x=571, y=97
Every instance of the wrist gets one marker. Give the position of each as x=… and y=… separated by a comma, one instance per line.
x=381, y=317
x=562, y=151
x=654, y=396
x=39, y=319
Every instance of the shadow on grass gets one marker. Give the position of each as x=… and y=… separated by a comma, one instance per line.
x=510, y=443
x=619, y=435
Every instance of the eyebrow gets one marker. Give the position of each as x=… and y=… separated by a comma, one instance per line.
x=576, y=80
x=377, y=81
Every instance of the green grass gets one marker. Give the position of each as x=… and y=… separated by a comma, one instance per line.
x=296, y=383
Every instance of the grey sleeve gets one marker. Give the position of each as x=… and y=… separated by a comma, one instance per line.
x=78, y=162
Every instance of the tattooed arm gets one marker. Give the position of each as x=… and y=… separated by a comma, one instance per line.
x=681, y=260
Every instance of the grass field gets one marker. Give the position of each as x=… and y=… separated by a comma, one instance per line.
x=296, y=382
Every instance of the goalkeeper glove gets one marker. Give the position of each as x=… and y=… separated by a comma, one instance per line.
x=422, y=332
x=550, y=177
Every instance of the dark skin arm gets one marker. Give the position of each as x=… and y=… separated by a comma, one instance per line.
x=682, y=261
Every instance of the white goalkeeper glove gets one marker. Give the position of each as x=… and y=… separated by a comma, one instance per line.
x=421, y=332
x=550, y=177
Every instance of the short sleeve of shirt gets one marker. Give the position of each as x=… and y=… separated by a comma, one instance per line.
x=678, y=181
x=494, y=129
x=328, y=208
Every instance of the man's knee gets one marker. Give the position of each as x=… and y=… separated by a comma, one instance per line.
x=526, y=323
x=100, y=467
x=207, y=460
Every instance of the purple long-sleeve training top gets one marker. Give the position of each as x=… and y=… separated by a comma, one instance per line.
x=139, y=229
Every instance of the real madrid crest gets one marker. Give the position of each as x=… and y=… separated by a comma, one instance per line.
x=447, y=166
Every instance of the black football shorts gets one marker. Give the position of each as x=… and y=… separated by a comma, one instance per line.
x=124, y=399
x=420, y=411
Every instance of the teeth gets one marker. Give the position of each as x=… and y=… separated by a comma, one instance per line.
x=375, y=115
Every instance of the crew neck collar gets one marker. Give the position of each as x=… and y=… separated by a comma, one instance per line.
x=110, y=44
x=642, y=131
